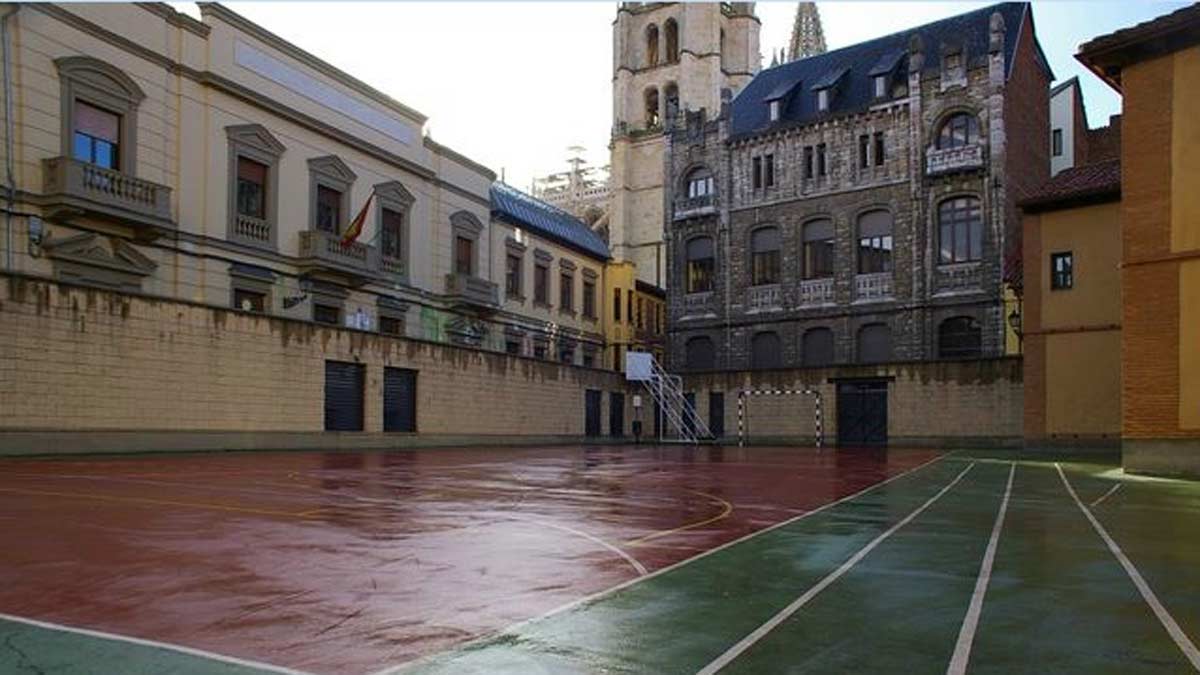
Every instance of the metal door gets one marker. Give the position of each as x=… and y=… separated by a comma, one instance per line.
x=616, y=414
x=591, y=412
x=399, y=399
x=862, y=413
x=344, y=396
x=716, y=413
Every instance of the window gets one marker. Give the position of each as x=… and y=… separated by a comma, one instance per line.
x=249, y=301
x=756, y=172
x=541, y=284
x=672, y=103
x=652, y=45
x=699, y=183
x=808, y=161
x=589, y=359
x=329, y=314
x=959, y=130
x=539, y=350
x=764, y=256
x=464, y=255
x=765, y=351
x=251, y=188
x=960, y=228
x=566, y=351
x=651, y=107
x=699, y=353
x=818, y=249
x=329, y=209
x=391, y=233
x=823, y=100
x=875, y=242
x=390, y=325
x=769, y=171
x=1062, y=271
x=822, y=167
x=773, y=108
x=874, y=343
x=880, y=86
x=960, y=337
x=816, y=347
x=512, y=347
x=589, y=299
x=512, y=276
x=1056, y=142
x=566, y=292
x=864, y=149
x=629, y=306
x=617, y=305
x=672, y=31
x=700, y=264
x=97, y=136
x=953, y=61
x=879, y=154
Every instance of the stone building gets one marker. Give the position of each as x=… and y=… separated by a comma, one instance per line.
x=859, y=206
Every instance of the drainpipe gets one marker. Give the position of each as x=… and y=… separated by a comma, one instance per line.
x=10, y=182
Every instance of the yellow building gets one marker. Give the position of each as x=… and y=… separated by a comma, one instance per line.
x=635, y=315
x=1156, y=68
x=1072, y=308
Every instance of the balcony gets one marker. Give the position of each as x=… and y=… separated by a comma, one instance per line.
x=323, y=251
x=251, y=231
x=697, y=303
x=392, y=268
x=466, y=289
x=72, y=187
x=816, y=291
x=765, y=298
x=694, y=207
x=950, y=160
x=873, y=287
x=958, y=278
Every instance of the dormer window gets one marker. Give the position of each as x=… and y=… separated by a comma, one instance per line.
x=880, y=86
x=953, y=61
x=823, y=100
x=884, y=73
x=774, y=111
x=827, y=87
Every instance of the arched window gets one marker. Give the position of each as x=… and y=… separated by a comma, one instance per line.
x=652, y=45
x=672, y=30
x=816, y=347
x=764, y=256
x=958, y=130
x=700, y=265
x=875, y=242
x=699, y=183
x=818, y=249
x=874, y=343
x=960, y=230
x=651, y=107
x=699, y=353
x=960, y=337
x=671, y=91
x=766, y=350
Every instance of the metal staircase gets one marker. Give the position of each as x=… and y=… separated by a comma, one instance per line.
x=667, y=392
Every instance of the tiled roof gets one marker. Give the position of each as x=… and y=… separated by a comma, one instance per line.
x=518, y=208
x=1081, y=184
x=855, y=91
x=1108, y=54
x=1184, y=18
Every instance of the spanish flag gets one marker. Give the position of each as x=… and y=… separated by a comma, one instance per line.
x=356, y=226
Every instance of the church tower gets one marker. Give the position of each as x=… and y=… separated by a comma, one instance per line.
x=808, y=38
x=667, y=58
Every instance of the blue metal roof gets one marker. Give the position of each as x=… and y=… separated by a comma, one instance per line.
x=855, y=92
x=518, y=208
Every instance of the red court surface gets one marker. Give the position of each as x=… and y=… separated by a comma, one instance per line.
x=351, y=562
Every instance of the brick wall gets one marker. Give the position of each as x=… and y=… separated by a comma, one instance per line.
x=1027, y=127
x=81, y=359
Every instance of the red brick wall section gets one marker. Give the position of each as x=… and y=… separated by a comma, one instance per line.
x=1027, y=129
x=1082, y=136
x=1034, y=347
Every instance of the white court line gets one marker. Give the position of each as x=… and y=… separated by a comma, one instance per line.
x=151, y=643
x=966, y=636
x=783, y=614
x=512, y=630
x=1106, y=494
x=641, y=569
x=1181, y=639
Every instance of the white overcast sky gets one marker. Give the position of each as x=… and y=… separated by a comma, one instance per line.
x=512, y=85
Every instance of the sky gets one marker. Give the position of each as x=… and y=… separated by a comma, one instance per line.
x=512, y=85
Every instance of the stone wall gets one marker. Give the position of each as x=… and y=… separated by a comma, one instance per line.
x=76, y=359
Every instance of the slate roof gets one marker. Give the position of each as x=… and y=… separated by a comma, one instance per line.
x=855, y=91
x=513, y=206
x=1089, y=183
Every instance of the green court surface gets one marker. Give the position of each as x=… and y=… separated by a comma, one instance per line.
x=971, y=563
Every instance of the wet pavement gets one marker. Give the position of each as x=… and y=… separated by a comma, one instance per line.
x=352, y=562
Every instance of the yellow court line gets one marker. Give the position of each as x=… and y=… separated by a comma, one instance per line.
x=162, y=502
x=726, y=510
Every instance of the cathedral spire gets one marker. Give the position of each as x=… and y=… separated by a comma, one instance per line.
x=808, y=39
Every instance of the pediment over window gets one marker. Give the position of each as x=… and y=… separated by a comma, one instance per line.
x=465, y=220
x=90, y=250
x=104, y=77
x=394, y=191
x=332, y=167
x=256, y=136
